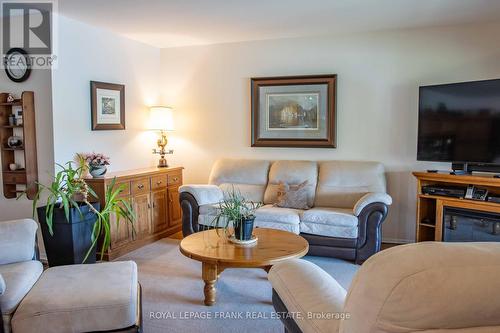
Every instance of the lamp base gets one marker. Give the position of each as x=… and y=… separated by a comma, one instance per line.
x=162, y=163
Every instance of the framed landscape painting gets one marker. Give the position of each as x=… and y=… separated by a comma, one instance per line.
x=294, y=111
x=107, y=106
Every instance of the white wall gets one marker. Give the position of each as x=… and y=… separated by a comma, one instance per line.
x=377, y=96
x=39, y=82
x=89, y=54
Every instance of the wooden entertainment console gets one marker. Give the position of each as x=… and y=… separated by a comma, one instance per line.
x=430, y=208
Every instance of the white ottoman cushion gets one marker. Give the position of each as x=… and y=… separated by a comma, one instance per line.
x=80, y=298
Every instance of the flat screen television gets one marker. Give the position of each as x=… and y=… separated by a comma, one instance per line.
x=460, y=122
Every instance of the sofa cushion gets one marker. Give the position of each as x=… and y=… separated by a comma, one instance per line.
x=332, y=222
x=328, y=230
x=210, y=209
x=267, y=216
x=208, y=214
x=249, y=177
x=291, y=173
x=270, y=213
x=342, y=183
x=81, y=298
x=332, y=216
x=17, y=240
x=293, y=228
x=19, y=278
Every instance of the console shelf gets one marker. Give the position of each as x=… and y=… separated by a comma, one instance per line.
x=19, y=181
x=430, y=208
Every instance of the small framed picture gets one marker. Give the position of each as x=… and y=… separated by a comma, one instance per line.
x=294, y=111
x=107, y=106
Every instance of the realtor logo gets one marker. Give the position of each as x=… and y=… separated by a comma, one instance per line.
x=29, y=25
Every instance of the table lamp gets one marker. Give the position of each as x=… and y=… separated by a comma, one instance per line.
x=161, y=119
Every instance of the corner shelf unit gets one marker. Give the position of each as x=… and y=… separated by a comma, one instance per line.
x=18, y=181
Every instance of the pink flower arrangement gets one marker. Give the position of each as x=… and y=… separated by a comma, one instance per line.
x=96, y=159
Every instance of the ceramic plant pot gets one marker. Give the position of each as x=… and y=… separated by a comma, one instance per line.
x=97, y=170
x=244, y=229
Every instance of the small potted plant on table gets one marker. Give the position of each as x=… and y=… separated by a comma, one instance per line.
x=238, y=214
x=72, y=220
x=97, y=163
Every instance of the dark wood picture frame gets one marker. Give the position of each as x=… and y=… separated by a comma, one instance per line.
x=329, y=142
x=94, y=85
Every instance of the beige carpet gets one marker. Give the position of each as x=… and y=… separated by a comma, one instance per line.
x=173, y=293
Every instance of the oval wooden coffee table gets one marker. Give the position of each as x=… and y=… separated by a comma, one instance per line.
x=217, y=253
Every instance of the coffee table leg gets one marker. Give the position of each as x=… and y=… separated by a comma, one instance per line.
x=209, y=275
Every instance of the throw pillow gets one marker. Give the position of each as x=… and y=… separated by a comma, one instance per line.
x=292, y=196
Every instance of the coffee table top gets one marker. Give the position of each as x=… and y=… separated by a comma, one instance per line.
x=272, y=247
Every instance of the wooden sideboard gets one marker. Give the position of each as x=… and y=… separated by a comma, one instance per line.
x=430, y=208
x=154, y=195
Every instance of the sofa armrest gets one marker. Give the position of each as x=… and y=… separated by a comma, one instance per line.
x=309, y=293
x=204, y=194
x=17, y=240
x=2, y=285
x=369, y=230
x=191, y=198
x=370, y=198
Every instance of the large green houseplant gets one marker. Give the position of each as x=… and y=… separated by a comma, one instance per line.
x=72, y=220
x=237, y=214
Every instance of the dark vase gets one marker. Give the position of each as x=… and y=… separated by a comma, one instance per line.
x=244, y=229
x=71, y=240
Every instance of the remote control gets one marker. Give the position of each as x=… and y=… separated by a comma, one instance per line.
x=432, y=171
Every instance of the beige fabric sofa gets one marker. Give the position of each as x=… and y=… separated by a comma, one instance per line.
x=348, y=199
x=426, y=287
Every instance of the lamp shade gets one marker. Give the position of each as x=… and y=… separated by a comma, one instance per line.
x=161, y=118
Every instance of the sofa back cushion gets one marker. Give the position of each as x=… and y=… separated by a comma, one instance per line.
x=249, y=177
x=291, y=173
x=17, y=240
x=342, y=183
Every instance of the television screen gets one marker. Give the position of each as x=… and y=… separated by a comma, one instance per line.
x=460, y=122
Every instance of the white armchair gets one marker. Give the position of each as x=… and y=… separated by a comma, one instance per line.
x=423, y=287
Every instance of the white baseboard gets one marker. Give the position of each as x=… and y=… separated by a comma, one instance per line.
x=397, y=241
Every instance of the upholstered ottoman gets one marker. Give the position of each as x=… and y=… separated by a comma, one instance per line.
x=82, y=298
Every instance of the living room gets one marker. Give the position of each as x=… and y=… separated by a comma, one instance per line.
x=133, y=86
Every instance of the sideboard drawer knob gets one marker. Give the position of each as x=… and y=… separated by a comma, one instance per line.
x=175, y=179
x=158, y=182
x=140, y=186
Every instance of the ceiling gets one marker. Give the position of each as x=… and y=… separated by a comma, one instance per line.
x=173, y=23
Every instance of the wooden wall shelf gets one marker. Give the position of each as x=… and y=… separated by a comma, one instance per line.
x=430, y=208
x=16, y=102
x=28, y=175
